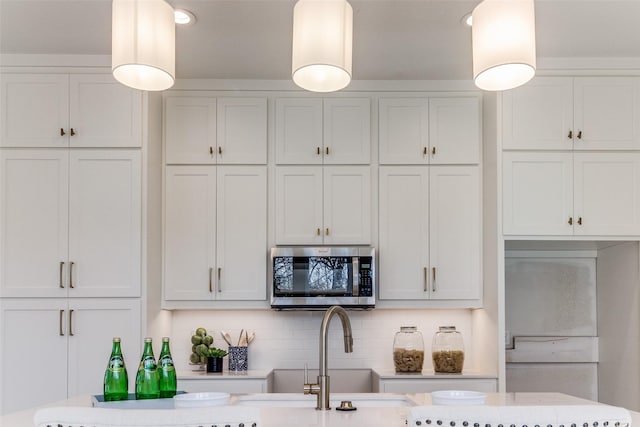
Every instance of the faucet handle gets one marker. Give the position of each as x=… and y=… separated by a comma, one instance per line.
x=306, y=374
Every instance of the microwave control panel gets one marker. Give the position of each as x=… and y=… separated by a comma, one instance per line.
x=366, y=280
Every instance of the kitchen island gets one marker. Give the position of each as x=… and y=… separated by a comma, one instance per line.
x=275, y=412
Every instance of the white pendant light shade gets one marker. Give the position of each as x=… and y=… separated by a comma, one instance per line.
x=504, y=44
x=143, y=44
x=322, y=44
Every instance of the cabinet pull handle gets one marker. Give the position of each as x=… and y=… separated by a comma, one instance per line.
x=579, y=220
x=318, y=151
x=219, y=282
x=62, y=133
x=70, y=323
x=326, y=150
x=318, y=231
x=433, y=151
x=424, y=151
x=61, y=269
x=570, y=136
x=220, y=150
x=326, y=232
x=211, y=150
x=61, y=333
x=433, y=279
x=579, y=134
x=570, y=220
x=73, y=132
x=71, y=274
x=425, y=280
x=210, y=279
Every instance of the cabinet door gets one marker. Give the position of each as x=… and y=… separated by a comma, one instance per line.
x=454, y=130
x=347, y=205
x=242, y=130
x=539, y=115
x=404, y=131
x=607, y=113
x=34, y=110
x=607, y=194
x=189, y=232
x=403, y=233
x=241, y=233
x=34, y=353
x=537, y=193
x=103, y=112
x=190, y=130
x=105, y=223
x=94, y=323
x=347, y=131
x=299, y=205
x=455, y=233
x=34, y=226
x=298, y=131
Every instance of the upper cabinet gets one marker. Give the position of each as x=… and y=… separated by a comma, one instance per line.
x=72, y=223
x=207, y=130
x=429, y=130
x=564, y=113
x=61, y=110
x=330, y=131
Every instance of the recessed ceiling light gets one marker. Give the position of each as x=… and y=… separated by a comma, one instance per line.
x=184, y=17
x=467, y=19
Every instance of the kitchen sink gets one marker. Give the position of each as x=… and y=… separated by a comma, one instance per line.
x=298, y=400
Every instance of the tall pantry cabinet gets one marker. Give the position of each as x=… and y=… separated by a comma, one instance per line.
x=70, y=232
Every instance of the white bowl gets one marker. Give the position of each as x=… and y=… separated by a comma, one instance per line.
x=458, y=397
x=196, y=400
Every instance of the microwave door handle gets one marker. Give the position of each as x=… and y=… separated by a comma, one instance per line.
x=356, y=276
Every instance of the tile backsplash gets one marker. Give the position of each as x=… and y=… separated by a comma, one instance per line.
x=289, y=339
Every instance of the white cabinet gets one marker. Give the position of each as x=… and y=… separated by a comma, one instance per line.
x=58, y=348
x=215, y=238
x=430, y=233
x=207, y=130
x=429, y=130
x=71, y=223
x=330, y=131
x=60, y=110
x=589, y=194
x=582, y=113
x=323, y=205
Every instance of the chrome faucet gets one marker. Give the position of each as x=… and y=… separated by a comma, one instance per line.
x=321, y=388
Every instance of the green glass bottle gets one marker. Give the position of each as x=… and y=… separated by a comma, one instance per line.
x=116, y=381
x=147, y=378
x=168, y=380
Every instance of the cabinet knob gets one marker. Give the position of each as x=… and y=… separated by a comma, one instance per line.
x=219, y=275
x=326, y=151
x=318, y=151
x=425, y=280
x=433, y=279
x=570, y=135
x=424, y=151
x=61, y=269
x=579, y=134
x=210, y=279
x=73, y=132
x=579, y=220
x=433, y=151
x=61, y=331
x=326, y=232
x=570, y=221
x=220, y=150
x=71, y=274
x=318, y=231
x=70, y=323
x=62, y=133
x=211, y=150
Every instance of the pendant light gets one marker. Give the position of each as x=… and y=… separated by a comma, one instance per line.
x=143, y=44
x=504, y=44
x=322, y=44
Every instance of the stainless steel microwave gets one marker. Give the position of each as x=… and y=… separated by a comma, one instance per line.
x=308, y=278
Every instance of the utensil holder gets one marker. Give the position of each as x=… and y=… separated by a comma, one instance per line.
x=238, y=359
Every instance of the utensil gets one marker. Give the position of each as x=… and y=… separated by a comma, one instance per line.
x=250, y=338
x=226, y=337
x=240, y=337
x=243, y=339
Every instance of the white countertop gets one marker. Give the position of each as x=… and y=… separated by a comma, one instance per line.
x=364, y=416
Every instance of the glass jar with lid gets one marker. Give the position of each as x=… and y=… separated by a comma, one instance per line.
x=447, y=350
x=408, y=350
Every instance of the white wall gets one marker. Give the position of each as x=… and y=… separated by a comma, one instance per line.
x=618, y=320
x=289, y=339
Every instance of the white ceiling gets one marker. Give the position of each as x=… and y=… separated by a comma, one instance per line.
x=393, y=39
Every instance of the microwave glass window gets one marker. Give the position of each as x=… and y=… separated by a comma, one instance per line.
x=312, y=275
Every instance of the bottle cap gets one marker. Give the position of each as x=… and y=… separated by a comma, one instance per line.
x=147, y=339
x=116, y=339
x=165, y=339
